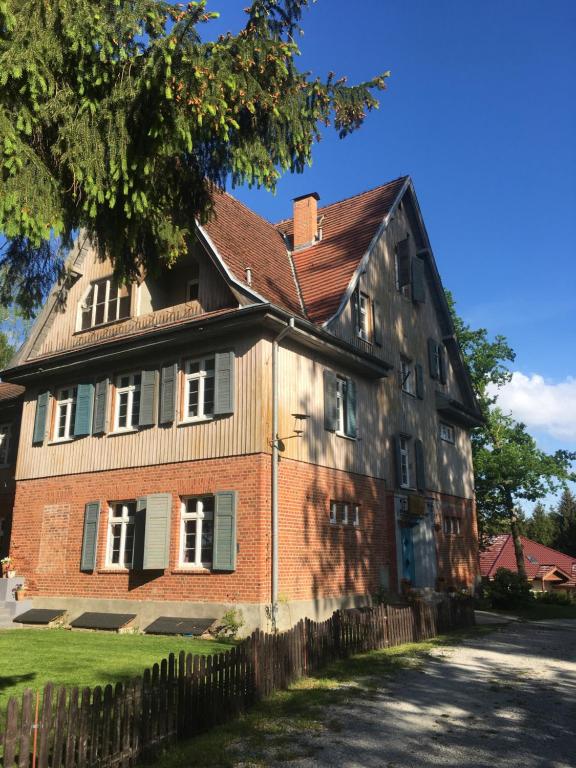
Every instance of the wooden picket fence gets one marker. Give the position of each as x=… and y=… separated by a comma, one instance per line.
x=187, y=695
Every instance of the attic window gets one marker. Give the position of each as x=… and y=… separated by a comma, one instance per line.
x=105, y=302
x=532, y=559
x=193, y=284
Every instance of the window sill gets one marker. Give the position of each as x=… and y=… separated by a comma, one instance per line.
x=198, y=569
x=199, y=420
x=80, y=331
x=111, y=569
x=128, y=431
x=345, y=437
x=61, y=440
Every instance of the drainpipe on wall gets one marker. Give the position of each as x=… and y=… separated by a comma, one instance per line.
x=275, y=460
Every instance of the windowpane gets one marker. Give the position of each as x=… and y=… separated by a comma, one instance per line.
x=122, y=409
x=129, y=545
x=209, y=396
x=115, y=540
x=193, y=397
x=189, y=551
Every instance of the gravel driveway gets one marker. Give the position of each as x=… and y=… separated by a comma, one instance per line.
x=502, y=700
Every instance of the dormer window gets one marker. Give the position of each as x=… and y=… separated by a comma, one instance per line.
x=105, y=302
x=193, y=284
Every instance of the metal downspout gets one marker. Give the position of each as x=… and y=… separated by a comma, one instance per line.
x=275, y=460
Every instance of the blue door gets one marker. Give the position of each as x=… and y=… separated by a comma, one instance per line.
x=408, y=570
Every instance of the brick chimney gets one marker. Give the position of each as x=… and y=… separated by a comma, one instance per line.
x=305, y=220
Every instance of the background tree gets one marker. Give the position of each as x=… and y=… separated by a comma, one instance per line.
x=116, y=117
x=508, y=466
x=541, y=526
x=565, y=520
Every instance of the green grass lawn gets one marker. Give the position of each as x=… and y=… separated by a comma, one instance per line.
x=30, y=658
x=266, y=732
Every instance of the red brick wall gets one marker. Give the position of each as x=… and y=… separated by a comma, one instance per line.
x=317, y=559
x=46, y=507
x=457, y=553
x=320, y=559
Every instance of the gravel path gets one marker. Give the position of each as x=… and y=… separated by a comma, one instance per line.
x=502, y=700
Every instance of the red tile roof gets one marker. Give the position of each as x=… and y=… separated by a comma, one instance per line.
x=325, y=269
x=10, y=391
x=244, y=239
x=537, y=558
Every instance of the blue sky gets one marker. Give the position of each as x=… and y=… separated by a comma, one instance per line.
x=480, y=111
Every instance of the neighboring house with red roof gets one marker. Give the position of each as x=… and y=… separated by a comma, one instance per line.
x=546, y=568
x=281, y=420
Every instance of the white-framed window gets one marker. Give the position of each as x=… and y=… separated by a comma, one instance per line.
x=120, y=547
x=451, y=525
x=363, y=316
x=105, y=302
x=342, y=403
x=407, y=376
x=356, y=518
x=197, y=532
x=404, y=443
x=127, y=402
x=5, y=440
x=199, y=389
x=447, y=432
x=340, y=513
x=333, y=512
x=193, y=283
x=65, y=413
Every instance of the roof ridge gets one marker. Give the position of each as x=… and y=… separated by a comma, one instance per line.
x=351, y=197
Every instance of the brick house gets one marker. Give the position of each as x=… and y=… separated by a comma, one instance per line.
x=11, y=396
x=279, y=423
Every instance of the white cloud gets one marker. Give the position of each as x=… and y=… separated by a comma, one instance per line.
x=540, y=404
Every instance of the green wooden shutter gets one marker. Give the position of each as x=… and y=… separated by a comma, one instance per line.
x=224, y=555
x=148, y=398
x=330, y=401
x=223, y=383
x=377, y=322
x=90, y=537
x=84, y=410
x=168, y=393
x=397, y=461
x=420, y=465
x=433, y=359
x=157, y=532
x=442, y=364
x=403, y=262
x=139, y=533
x=40, y=418
x=351, y=408
x=418, y=280
x=100, y=407
x=419, y=381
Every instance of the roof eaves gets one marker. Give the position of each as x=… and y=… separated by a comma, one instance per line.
x=364, y=260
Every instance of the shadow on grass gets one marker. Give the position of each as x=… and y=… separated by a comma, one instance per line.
x=12, y=680
x=265, y=733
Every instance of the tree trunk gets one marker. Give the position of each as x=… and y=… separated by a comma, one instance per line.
x=518, y=549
